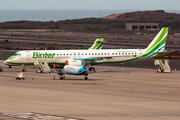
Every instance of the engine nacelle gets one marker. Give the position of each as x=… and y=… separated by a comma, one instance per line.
x=73, y=62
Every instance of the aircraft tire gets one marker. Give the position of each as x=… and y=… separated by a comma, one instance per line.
x=92, y=69
x=61, y=78
x=86, y=78
x=23, y=70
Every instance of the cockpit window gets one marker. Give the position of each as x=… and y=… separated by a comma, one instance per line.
x=17, y=54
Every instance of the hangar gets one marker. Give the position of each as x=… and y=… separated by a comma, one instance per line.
x=142, y=26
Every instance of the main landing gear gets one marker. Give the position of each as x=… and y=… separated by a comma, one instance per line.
x=92, y=69
x=62, y=77
x=23, y=70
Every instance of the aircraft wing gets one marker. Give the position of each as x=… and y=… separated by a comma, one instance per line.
x=52, y=71
x=89, y=72
x=58, y=71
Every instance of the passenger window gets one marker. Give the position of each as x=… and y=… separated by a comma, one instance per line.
x=112, y=53
x=92, y=53
x=104, y=53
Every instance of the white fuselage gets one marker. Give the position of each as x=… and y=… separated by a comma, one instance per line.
x=60, y=56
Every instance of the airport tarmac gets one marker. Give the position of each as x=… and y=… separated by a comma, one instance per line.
x=140, y=94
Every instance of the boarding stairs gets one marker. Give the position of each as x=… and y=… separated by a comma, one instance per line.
x=163, y=67
x=41, y=66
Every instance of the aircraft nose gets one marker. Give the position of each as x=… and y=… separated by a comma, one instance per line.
x=5, y=62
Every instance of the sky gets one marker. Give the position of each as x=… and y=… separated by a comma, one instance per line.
x=92, y=4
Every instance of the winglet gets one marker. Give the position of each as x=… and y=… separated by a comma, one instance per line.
x=98, y=44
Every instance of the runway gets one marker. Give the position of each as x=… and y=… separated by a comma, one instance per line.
x=141, y=94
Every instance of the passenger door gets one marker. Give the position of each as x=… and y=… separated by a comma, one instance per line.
x=28, y=55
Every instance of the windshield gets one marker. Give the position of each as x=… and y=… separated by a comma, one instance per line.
x=17, y=54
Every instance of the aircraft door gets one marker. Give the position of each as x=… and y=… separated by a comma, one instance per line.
x=28, y=55
x=139, y=53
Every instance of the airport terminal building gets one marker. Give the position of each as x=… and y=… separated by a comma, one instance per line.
x=142, y=26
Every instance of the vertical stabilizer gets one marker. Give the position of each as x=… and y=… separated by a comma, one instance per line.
x=98, y=44
x=158, y=43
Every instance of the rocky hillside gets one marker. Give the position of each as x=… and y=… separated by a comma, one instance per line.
x=158, y=14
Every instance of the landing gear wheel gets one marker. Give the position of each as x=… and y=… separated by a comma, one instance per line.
x=86, y=78
x=10, y=66
x=92, y=69
x=158, y=69
x=61, y=78
x=23, y=70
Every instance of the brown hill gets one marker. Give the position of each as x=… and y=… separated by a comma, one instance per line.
x=158, y=14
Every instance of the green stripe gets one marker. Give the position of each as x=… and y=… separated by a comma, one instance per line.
x=100, y=46
x=161, y=64
x=40, y=65
x=98, y=43
x=12, y=57
x=33, y=63
x=95, y=45
x=165, y=30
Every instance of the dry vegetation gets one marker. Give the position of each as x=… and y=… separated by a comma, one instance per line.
x=102, y=25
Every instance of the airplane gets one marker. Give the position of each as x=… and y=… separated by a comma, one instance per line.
x=66, y=57
x=76, y=70
x=98, y=44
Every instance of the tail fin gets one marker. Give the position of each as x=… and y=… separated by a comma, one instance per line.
x=158, y=43
x=98, y=44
